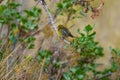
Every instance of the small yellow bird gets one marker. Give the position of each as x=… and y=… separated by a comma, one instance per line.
x=63, y=32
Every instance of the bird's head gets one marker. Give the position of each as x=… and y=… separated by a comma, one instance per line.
x=60, y=27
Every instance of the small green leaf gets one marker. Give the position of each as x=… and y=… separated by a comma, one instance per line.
x=44, y=53
x=99, y=51
x=92, y=35
x=114, y=66
x=66, y=76
x=13, y=38
x=67, y=5
x=88, y=28
x=14, y=5
x=31, y=45
x=30, y=39
x=114, y=51
x=47, y=62
x=73, y=70
x=80, y=77
x=60, y=5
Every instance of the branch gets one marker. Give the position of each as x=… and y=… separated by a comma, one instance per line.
x=48, y=13
x=43, y=3
x=104, y=76
x=50, y=17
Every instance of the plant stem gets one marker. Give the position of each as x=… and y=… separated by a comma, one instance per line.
x=104, y=76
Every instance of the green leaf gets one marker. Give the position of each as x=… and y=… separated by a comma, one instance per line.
x=66, y=5
x=99, y=51
x=44, y=53
x=60, y=5
x=74, y=44
x=80, y=77
x=13, y=38
x=74, y=11
x=39, y=58
x=88, y=28
x=78, y=70
x=114, y=51
x=13, y=26
x=66, y=76
x=30, y=39
x=33, y=12
x=7, y=12
x=92, y=35
x=2, y=21
x=47, y=62
x=14, y=5
x=114, y=66
x=82, y=34
x=31, y=45
x=73, y=70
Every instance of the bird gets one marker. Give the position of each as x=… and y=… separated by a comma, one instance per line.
x=63, y=32
x=43, y=2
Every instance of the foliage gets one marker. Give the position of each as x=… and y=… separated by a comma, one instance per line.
x=115, y=59
x=89, y=50
x=30, y=20
x=44, y=54
x=68, y=6
x=19, y=25
x=86, y=45
x=44, y=57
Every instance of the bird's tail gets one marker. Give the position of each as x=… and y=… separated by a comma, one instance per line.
x=71, y=35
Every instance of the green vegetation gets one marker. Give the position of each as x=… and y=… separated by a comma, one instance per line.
x=20, y=26
x=51, y=63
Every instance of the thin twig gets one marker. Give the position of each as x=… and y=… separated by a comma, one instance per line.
x=66, y=41
x=104, y=76
x=50, y=17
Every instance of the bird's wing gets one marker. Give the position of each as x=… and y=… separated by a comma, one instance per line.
x=65, y=32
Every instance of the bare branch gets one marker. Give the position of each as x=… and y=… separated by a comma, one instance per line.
x=43, y=3
x=104, y=76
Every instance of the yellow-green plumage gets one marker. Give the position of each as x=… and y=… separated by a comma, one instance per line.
x=63, y=32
